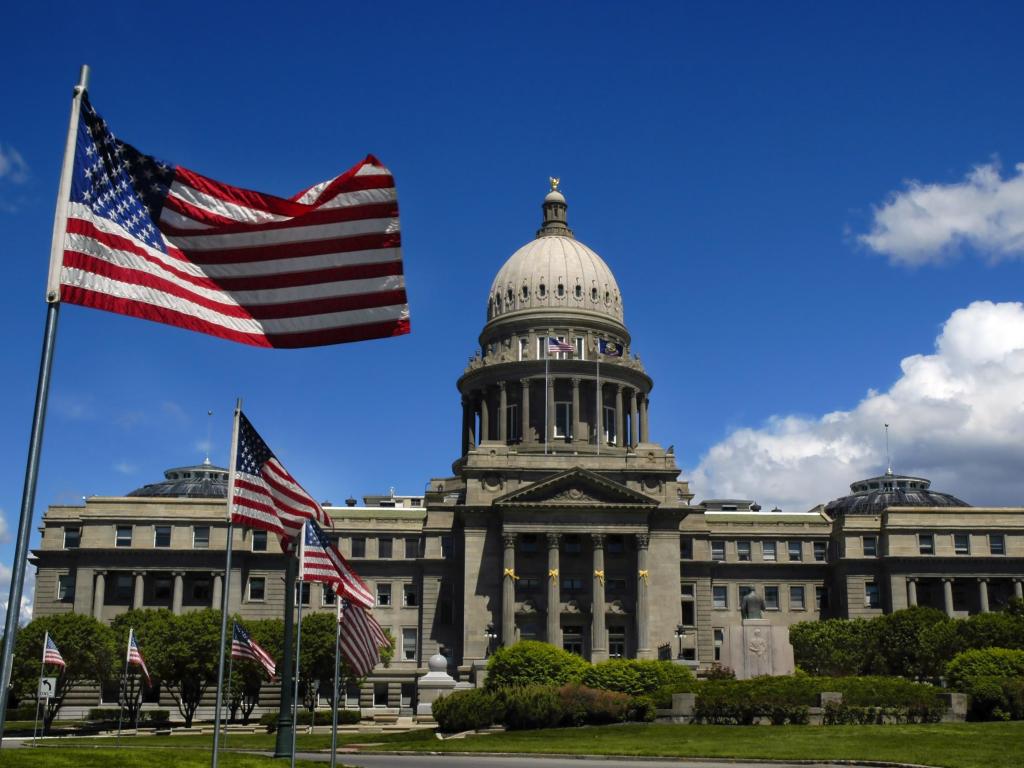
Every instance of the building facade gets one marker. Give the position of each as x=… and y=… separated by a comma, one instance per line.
x=562, y=519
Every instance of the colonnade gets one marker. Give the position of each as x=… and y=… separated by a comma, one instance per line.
x=139, y=589
x=947, y=591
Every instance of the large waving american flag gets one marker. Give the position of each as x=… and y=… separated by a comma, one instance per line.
x=163, y=243
x=320, y=560
x=266, y=496
x=361, y=638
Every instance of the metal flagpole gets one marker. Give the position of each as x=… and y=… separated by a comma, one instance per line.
x=298, y=643
x=42, y=671
x=283, y=741
x=35, y=443
x=123, y=688
x=337, y=672
x=599, y=402
x=231, y=666
x=225, y=588
x=547, y=397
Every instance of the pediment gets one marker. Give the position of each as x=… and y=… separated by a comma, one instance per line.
x=576, y=487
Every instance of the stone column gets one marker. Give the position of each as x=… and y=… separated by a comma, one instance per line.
x=912, y=592
x=599, y=397
x=983, y=595
x=554, y=633
x=645, y=435
x=576, y=427
x=218, y=591
x=549, y=428
x=947, y=594
x=524, y=406
x=502, y=413
x=468, y=426
x=1018, y=589
x=643, y=650
x=485, y=417
x=599, y=637
x=140, y=590
x=508, y=591
x=634, y=421
x=620, y=417
x=179, y=588
x=99, y=595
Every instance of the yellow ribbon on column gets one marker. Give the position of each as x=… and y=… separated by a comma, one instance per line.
x=644, y=574
x=511, y=572
x=553, y=574
x=600, y=576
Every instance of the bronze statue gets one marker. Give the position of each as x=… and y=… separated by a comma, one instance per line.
x=752, y=605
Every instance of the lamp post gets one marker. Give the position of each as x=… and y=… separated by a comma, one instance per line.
x=680, y=634
x=491, y=636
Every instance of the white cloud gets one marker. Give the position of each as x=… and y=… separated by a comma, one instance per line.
x=125, y=468
x=5, y=534
x=27, y=594
x=930, y=222
x=13, y=167
x=957, y=417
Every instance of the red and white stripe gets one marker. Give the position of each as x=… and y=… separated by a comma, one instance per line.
x=135, y=656
x=274, y=501
x=51, y=655
x=253, y=651
x=361, y=639
x=326, y=564
x=324, y=267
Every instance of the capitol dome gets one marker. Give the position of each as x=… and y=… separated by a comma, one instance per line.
x=876, y=494
x=201, y=481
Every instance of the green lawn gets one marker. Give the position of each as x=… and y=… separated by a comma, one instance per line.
x=82, y=757
x=261, y=741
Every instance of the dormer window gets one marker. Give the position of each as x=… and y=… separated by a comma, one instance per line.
x=579, y=291
x=543, y=290
x=526, y=292
x=561, y=290
x=593, y=294
x=509, y=296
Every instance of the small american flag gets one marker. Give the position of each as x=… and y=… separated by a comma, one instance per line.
x=266, y=496
x=50, y=653
x=320, y=560
x=554, y=345
x=135, y=657
x=361, y=638
x=244, y=647
x=160, y=242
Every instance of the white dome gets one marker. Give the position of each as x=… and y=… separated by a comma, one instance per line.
x=555, y=272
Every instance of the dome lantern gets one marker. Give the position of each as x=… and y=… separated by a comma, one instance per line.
x=554, y=207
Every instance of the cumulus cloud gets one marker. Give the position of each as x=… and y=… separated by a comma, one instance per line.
x=957, y=417
x=27, y=595
x=13, y=167
x=931, y=222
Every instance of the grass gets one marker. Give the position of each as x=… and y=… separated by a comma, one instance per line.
x=263, y=741
x=80, y=757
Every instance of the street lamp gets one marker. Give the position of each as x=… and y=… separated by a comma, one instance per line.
x=491, y=636
x=680, y=634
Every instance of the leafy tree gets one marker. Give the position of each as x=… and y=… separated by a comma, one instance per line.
x=531, y=662
x=184, y=657
x=991, y=630
x=149, y=625
x=897, y=642
x=247, y=677
x=834, y=647
x=88, y=649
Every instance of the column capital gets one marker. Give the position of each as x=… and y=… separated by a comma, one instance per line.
x=947, y=579
x=597, y=539
x=501, y=385
x=525, y=383
x=913, y=579
x=983, y=579
x=643, y=540
x=554, y=539
x=575, y=381
x=508, y=539
x=139, y=573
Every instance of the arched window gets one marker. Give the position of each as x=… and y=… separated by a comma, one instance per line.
x=561, y=290
x=542, y=289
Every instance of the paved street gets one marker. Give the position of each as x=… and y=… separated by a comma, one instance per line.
x=481, y=761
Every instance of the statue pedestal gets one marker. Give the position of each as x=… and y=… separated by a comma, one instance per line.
x=433, y=685
x=765, y=650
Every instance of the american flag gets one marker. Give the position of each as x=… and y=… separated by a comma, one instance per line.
x=361, y=638
x=135, y=656
x=50, y=653
x=244, y=647
x=554, y=345
x=320, y=560
x=266, y=496
x=163, y=243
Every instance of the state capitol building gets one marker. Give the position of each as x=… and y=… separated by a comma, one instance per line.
x=562, y=520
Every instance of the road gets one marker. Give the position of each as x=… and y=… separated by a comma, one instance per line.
x=368, y=760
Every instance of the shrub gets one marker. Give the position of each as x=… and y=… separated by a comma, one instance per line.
x=719, y=672
x=742, y=702
x=157, y=715
x=993, y=678
x=642, y=709
x=22, y=712
x=105, y=714
x=639, y=677
x=466, y=710
x=319, y=717
x=589, y=706
x=988, y=662
x=533, y=706
x=530, y=662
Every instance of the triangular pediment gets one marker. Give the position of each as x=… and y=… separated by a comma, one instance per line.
x=576, y=487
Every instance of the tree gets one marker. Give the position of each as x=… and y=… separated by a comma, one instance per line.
x=834, y=647
x=184, y=657
x=88, y=649
x=247, y=677
x=530, y=662
x=898, y=645
x=149, y=625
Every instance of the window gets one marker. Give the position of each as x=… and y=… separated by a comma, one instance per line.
x=581, y=351
x=445, y=610
x=410, y=596
x=123, y=586
x=796, y=598
x=409, y=644
x=412, y=548
x=820, y=551
x=745, y=589
x=872, y=597
x=686, y=548
x=259, y=541
x=689, y=593
x=870, y=546
x=795, y=550
x=385, y=546
x=527, y=586
x=720, y=596
x=351, y=696
x=358, y=546
x=718, y=550
x=768, y=550
x=447, y=545
x=719, y=635
x=302, y=592
x=328, y=595
x=66, y=588
x=380, y=694
x=572, y=544
x=72, y=537
x=572, y=639
x=616, y=586
x=161, y=588
x=962, y=543
x=743, y=551
x=820, y=599
x=616, y=641
x=513, y=422
x=563, y=420
x=523, y=343
x=408, y=694
x=572, y=585
x=771, y=598
x=123, y=536
x=614, y=545
x=996, y=544
x=257, y=589
x=926, y=544
x=610, y=437
x=383, y=595
x=161, y=536
x=201, y=537
x=201, y=591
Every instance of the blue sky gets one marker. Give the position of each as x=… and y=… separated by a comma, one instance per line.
x=800, y=202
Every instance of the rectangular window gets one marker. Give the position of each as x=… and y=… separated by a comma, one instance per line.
x=409, y=643
x=408, y=694
x=719, y=635
x=581, y=350
x=302, y=592
x=771, y=598
x=820, y=599
x=161, y=536
x=926, y=544
x=743, y=551
x=385, y=547
x=123, y=586
x=447, y=545
x=161, y=588
x=616, y=586
x=563, y=420
x=380, y=694
x=872, y=597
x=796, y=598
x=351, y=696
x=72, y=537
x=572, y=585
x=201, y=537
x=66, y=588
x=616, y=641
x=610, y=436
x=327, y=595
x=412, y=548
x=410, y=596
x=201, y=590
x=820, y=551
x=528, y=542
x=572, y=639
x=720, y=596
x=123, y=536
x=996, y=544
x=870, y=546
x=689, y=614
x=259, y=541
x=358, y=546
x=614, y=545
x=962, y=543
x=257, y=589
x=383, y=595
x=572, y=544
x=523, y=346
x=686, y=548
x=795, y=550
x=718, y=550
x=768, y=550
x=512, y=422
x=527, y=586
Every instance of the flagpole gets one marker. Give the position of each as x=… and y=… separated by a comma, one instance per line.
x=599, y=402
x=124, y=687
x=225, y=589
x=337, y=672
x=547, y=397
x=42, y=671
x=231, y=666
x=35, y=443
x=298, y=645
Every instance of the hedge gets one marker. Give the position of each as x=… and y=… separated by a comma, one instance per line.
x=467, y=710
x=989, y=662
x=319, y=717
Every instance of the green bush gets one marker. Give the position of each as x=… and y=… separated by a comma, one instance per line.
x=993, y=678
x=742, y=702
x=531, y=662
x=589, y=706
x=23, y=712
x=105, y=714
x=987, y=662
x=639, y=677
x=467, y=710
x=319, y=717
x=719, y=672
x=642, y=709
x=153, y=716
x=876, y=691
x=533, y=706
